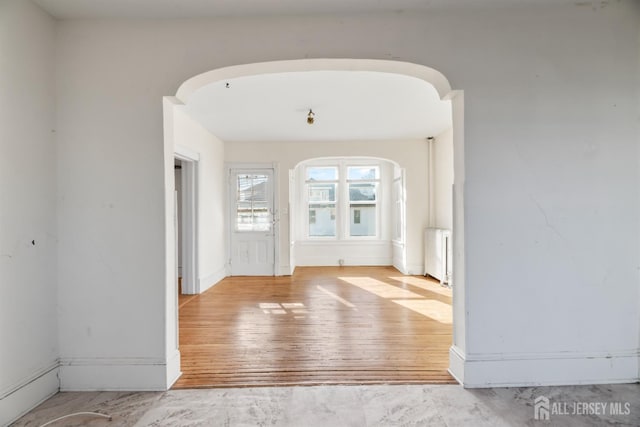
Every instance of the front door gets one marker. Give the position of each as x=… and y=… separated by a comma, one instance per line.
x=252, y=222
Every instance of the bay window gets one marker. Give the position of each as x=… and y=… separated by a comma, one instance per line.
x=342, y=201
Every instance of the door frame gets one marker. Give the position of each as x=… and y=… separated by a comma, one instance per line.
x=229, y=167
x=189, y=226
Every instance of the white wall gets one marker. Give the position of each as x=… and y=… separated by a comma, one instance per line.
x=411, y=155
x=212, y=194
x=547, y=201
x=551, y=201
x=111, y=221
x=28, y=310
x=443, y=180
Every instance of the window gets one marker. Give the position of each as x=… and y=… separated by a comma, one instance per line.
x=322, y=187
x=252, y=207
x=363, y=185
x=342, y=201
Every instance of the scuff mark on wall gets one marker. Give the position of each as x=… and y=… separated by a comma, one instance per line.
x=548, y=223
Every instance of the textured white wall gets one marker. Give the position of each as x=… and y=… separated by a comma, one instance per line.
x=551, y=199
x=28, y=310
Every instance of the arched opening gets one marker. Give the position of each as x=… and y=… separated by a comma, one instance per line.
x=188, y=92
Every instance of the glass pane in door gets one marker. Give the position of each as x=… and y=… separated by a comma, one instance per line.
x=252, y=206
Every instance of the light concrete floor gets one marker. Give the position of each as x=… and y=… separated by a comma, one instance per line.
x=332, y=406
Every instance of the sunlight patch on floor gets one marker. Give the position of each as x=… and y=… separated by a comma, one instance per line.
x=380, y=288
x=283, y=308
x=425, y=284
x=433, y=309
x=269, y=305
x=292, y=305
x=336, y=297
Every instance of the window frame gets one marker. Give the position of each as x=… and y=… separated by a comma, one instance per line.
x=343, y=200
x=268, y=195
x=398, y=207
x=308, y=203
x=349, y=203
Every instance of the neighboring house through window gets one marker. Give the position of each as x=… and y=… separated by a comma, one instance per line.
x=342, y=200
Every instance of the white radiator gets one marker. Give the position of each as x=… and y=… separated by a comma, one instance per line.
x=438, y=254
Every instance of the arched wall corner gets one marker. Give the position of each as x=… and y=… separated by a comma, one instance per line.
x=314, y=159
x=429, y=75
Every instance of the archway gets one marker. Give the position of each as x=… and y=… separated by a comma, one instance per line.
x=428, y=75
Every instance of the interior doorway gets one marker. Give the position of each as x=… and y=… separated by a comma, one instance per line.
x=177, y=219
x=186, y=220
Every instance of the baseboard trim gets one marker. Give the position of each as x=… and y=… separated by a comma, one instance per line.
x=456, y=364
x=212, y=279
x=322, y=261
x=114, y=374
x=398, y=258
x=284, y=270
x=415, y=270
x=173, y=369
x=17, y=400
x=543, y=369
x=400, y=267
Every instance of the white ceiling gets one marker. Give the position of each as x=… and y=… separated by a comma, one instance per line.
x=348, y=105
x=71, y=9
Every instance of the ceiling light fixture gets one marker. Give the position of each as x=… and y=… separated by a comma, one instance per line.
x=310, y=117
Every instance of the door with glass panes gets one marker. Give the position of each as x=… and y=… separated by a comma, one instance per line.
x=252, y=222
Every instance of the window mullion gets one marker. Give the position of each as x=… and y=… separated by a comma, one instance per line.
x=344, y=209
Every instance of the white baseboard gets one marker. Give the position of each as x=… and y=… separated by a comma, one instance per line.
x=114, y=374
x=284, y=270
x=415, y=269
x=17, y=400
x=208, y=281
x=400, y=267
x=456, y=364
x=173, y=369
x=398, y=259
x=324, y=260
x=543, y=369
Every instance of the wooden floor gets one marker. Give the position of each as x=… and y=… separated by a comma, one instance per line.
x=323, y=325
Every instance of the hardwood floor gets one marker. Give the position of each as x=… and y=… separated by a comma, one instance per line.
x=323, y=325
